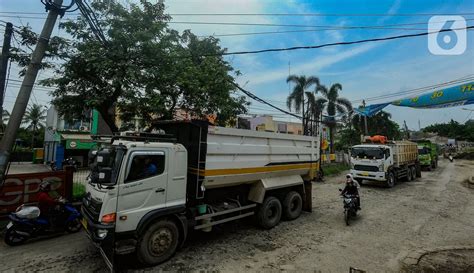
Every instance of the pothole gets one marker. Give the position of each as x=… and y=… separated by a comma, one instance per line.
x=455, y=261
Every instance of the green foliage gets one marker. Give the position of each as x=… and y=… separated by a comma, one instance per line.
x=335, y=105
x=25, y=138
x=453, y=129
x=20, y=53
x=297, y=100
x=147, y=70
x=379, y=124
x=334, y=168
x=78, y=191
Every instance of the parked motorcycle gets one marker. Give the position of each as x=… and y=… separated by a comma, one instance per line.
x=71, y=162
x=350, y=206
x=26, y=223
x=52, y=165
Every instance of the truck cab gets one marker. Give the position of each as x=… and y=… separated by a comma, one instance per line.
x=131, y=183
x=371, y=162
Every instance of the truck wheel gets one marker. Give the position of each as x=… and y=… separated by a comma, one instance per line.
x=418, y=171
x=158, y=243
x=413, y=172
x=390, y=180
x=409, y=175
x=269, y=213
x=292, y=205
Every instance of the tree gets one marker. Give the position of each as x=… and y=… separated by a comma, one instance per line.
x=34, y=119
x=335, y=105
x=296, y=99
x=379, y=124
x=145, y=70
x=453, y=129
x=314, y=112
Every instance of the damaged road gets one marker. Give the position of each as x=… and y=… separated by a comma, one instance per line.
x=433, y=211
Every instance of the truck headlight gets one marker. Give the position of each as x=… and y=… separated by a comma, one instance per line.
x=381, y=167
x=101, y=233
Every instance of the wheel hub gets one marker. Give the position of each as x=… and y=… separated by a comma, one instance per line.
x=160, y=241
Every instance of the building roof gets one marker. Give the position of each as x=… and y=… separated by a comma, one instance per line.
x=76, y=136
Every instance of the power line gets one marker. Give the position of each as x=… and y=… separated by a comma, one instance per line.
x=287, y=14
x=305, y=26
x=381, y=27
x=334, y=44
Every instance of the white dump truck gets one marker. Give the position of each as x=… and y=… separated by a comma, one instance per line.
x=146, y=190
x=385, y=162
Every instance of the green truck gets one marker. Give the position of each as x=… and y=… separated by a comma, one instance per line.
x=427, y=154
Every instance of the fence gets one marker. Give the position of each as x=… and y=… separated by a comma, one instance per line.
x=81, y=175
x=338, y=157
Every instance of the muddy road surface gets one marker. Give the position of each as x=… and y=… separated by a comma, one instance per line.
x=436, y=210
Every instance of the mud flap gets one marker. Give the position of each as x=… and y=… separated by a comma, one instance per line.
x=308, y=196
x=107, y=250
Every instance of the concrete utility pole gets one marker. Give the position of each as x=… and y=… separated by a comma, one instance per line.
x=4, y=64
x=23, y=97
x=365, y=120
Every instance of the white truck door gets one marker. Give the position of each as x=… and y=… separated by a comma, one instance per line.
x=143, y=188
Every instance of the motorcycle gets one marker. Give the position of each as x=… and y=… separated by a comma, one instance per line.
x=26, y=223
x=350, y=206
x=451, y=158
x=71, y=162
x=52, y=165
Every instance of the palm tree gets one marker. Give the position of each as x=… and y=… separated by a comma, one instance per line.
x=297, y=97
x=34, y=119
x=335, y=105
x=315, y=109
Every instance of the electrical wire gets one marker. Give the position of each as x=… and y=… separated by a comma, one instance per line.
x=291, y=14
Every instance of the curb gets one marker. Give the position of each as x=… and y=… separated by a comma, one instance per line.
x=414, y=257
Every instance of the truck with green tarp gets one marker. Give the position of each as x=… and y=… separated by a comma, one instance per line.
x=427, y=154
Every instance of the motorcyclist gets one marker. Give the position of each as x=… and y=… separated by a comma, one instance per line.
x=48, y=206
x=352, y=188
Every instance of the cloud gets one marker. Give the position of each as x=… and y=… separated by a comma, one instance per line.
x=311, y=67
x=393, y=9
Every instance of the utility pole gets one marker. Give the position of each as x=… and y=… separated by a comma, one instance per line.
x=4, y=64
x=365, y=120
x=23, y=97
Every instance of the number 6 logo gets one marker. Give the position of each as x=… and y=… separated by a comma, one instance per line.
x=448, y=42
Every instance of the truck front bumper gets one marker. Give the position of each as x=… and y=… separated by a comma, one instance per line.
x=97, y=232
x=373, y=176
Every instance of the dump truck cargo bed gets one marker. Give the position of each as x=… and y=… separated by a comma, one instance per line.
x=223, y=157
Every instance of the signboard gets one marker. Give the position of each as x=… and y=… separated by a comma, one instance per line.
x=449, y=97
x=21, y=189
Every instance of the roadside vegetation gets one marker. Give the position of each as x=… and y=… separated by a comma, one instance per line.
x=334, y=168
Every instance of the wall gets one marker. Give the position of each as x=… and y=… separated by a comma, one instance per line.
x=21, y=189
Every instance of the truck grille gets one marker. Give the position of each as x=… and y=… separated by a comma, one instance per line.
x=366, y=168
x=91, y=208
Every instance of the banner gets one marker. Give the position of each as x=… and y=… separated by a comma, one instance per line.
x=450, y=97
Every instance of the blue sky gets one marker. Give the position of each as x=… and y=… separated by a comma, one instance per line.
x=364, y=70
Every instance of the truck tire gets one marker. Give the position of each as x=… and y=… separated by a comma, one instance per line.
x=269, y=213
x=409, y=174
x=413, y=173
x=390, y=180
x=292, y=205
x=158, y=243
x=418, y=171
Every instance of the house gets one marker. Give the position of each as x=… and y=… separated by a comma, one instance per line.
x=64, y=139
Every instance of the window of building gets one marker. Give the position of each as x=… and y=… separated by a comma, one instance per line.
x=145, y=166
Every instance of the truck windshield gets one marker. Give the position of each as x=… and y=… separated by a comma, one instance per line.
x=423, y=151
x=108, y=159
x=367, y=152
